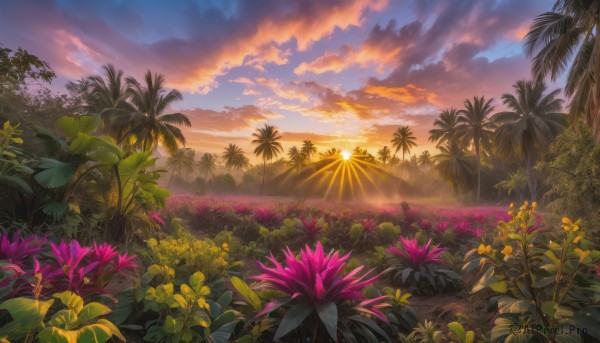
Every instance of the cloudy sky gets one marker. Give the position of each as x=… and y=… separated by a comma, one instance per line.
x=340, y=72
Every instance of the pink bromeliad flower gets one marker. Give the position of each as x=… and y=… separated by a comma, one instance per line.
x=17, y=250
x=311, y=227
x=415, y=255
x=317, y=279
x=368, y=225
x=265, y=216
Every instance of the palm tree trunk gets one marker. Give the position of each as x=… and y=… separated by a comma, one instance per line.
x=478, y=170
x=262, y=185
x=171, y=178
x=531, y=182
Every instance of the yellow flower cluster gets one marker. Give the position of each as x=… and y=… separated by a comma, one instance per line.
x=572, y=229
x=484, y=249
x=196, y=254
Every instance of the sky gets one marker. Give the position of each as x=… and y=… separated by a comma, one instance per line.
x=342, y=73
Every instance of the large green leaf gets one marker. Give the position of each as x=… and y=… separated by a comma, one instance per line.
x=484, y=281
x=52, y=142
x=26, y=314
x=329, y=316
x=58, y=335
x=92, y=311
x=64, y=319
x=246, y=292
x=71, y=300
x=371, y=324
x=124, y=306
x=55, y=173
x=71, y=126
x=113, y=329
x=292, y=319
x=222, y=334
x=56, y=210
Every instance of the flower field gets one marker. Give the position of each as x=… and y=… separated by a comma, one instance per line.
x=242, y=269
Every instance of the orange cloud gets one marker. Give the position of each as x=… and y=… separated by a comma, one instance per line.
x=230, y=119
x=409, y=94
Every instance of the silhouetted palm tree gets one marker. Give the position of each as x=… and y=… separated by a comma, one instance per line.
x=150, y=125
x=308, y=148
x=404, y=140
x=475, y=126
x=181, y=161
x=297, y=158
x=267, y=147
x=530, y=125
x=107, y=97
x=455, y=165
x=234, y=158
x=425, y=160
x=571, y=29
x=207, y=164
x=444, y=127
x=384, y=154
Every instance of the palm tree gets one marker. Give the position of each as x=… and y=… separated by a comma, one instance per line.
x=404, y=139
x=425, y=159
x=455, y=165
x=207, y=164
x=308, y=148
x=182, y=160
x=150, y=125
x=569, y=35
x=107, y=96
x=297, y=157
x=475, y=126
x=445, y=127
x=516, y=182
x=530, y=125
x=267, y=147
x=394, y=161
x=384, y=154
x=234, y=158
x=330, y=153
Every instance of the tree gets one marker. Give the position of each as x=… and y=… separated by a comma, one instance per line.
x=181, y=161
x=425, y=160
x=107, y=96
x=308, y=148
x=475, y=126
x=569, y=35
x=297, y=158
x=267, y=147
x=17, y=67
x=516, y=182
x=455, y=166
x=207, y=164
x=445, y=127
x=531, y=124
x=234, y=158
x=404, y=140
x=150, y=126
x=384, y=154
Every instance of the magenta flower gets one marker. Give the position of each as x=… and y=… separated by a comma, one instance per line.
x=19, y=249
x=425, y=224
x=368, y=225
x=318, y=279
x=265, y=216
x=463, y=228
x=442, y=226
x=125, y=262
x=415, y=255
x=103, y=253
x=311, y=227
x=155, y=216
x=241, y=209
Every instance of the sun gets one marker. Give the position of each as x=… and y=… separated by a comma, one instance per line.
x=346, y=155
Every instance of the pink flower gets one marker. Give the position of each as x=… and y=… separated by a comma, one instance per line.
x=265, y=216
x=415, y=255
x=125, y=262
x=425, y=224
x=368, y=225
x=103, y=253
x=311, y=227
x=318, y=279
x=19, y=249
x=155, y=216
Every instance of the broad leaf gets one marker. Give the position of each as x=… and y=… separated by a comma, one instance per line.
x=292, y=319
x=246, y=292
x=71, y=126
x=71, y=300
x=92, y=311
x=329, y=316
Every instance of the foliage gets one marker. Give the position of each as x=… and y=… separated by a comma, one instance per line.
x=319, y=299
x=18, y=66
x=402, y=318
x=65, y=267
x=13, y=166
x=187, y=254
x=549, y=278
x=417, y=268
x=76, y=322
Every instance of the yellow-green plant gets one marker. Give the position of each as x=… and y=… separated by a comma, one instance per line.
x=187, y=255
x=77, y=322
x=542, y=278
